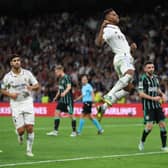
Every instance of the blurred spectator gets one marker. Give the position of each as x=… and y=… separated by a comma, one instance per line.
x=66, y=38
x=45, y=98
x=76, y=91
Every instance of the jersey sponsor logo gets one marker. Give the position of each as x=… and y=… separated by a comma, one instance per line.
x=152, y=89
x=19, y=86
x=61, y=87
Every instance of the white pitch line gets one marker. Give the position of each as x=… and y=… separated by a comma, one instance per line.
x=80, y=158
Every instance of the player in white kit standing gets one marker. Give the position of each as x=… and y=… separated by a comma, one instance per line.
x=123, y=61
x=18, y=85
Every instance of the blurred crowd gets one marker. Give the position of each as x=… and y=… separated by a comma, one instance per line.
x=68, y=39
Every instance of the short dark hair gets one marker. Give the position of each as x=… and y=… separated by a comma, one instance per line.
x=148, y=62
x=12, y=56
x=107, y=11
x=59, y=67
x=102, y=18
x=84, y=75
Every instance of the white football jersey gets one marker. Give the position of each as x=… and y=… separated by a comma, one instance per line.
x=113, y=36
x=17, y=83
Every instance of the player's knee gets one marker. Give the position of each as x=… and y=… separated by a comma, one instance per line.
x=149, y=129
x=73, y=119
x=91, y=116
x=20, y=131
x=126, y=79
x=162, y=124
x=57, y=113
x=129, y=88
x=149, y=126
x=29, y=128
x=163, y=129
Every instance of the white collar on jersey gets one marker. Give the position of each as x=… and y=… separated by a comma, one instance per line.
x=112, y=26
x=21, y=73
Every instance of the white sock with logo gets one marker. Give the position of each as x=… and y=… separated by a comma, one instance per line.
x=30, y=140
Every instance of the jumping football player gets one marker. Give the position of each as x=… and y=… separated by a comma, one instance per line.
x=123, y=61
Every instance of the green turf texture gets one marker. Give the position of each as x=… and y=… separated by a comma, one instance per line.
x=121, y=137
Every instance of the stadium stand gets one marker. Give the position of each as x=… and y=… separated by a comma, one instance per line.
x=68, y=38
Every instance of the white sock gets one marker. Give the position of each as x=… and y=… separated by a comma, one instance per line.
x=121, y=83
x=117, y=95
x=30, y=140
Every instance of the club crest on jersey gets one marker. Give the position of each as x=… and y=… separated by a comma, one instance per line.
x=147, y=117
x=25, y=79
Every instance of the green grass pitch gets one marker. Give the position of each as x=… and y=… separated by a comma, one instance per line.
x=116, y=148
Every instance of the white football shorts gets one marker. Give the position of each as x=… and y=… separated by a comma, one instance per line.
x=122, y=63
x=23, y=114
